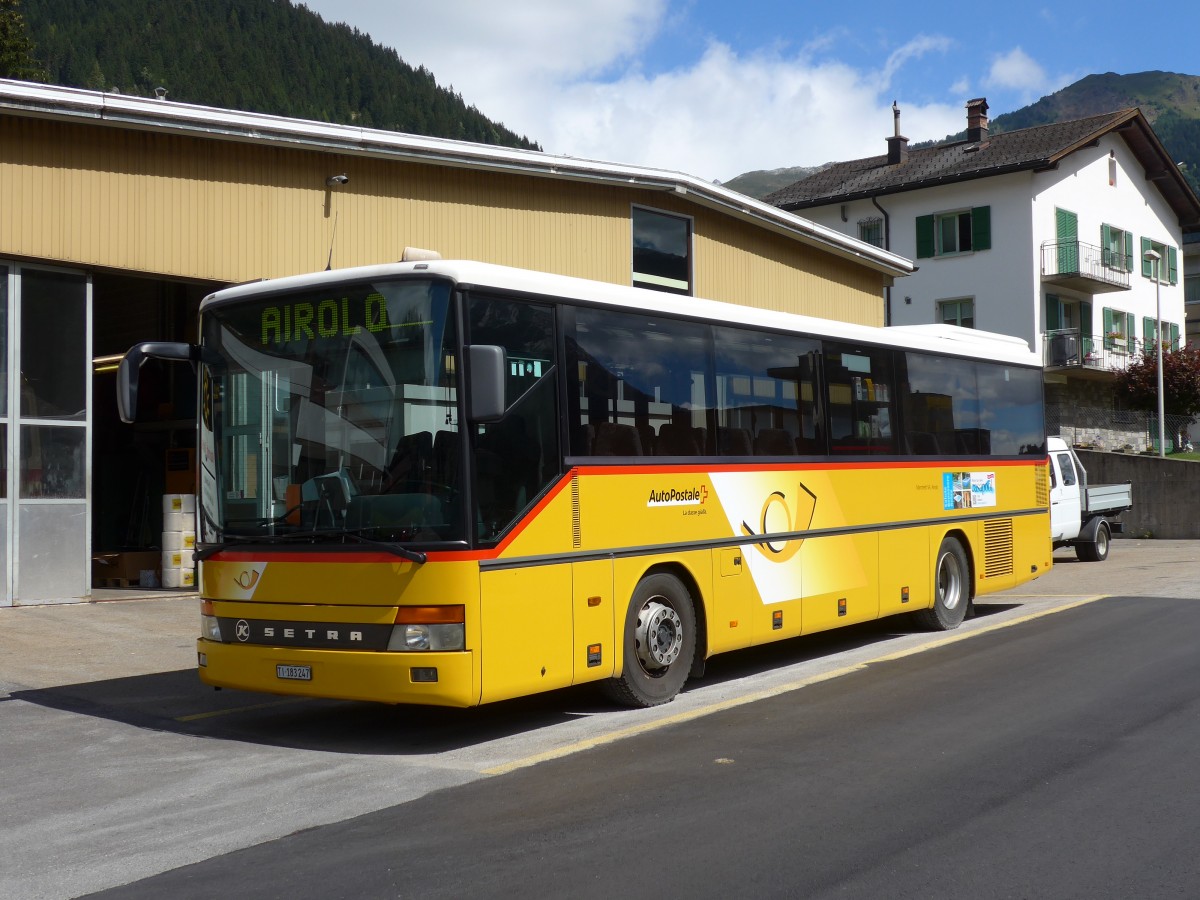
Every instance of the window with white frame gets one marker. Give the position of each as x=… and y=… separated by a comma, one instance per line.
x=1116, y=247
x=957, y=312
x=1170, y=333
x=1166, y=267
x=870, y=231
x=952, y=233
x=1118, y=329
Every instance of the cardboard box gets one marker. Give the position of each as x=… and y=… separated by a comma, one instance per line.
x=180, y=471
x=123, y=569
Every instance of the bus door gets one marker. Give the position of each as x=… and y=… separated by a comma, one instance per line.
x=526, y=599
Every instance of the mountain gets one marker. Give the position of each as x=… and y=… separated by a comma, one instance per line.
x=1169, y=101
x=761, y=182
x=267, y=56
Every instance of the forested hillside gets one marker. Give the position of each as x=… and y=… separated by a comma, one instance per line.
x=265, y=56
x=1169, y=101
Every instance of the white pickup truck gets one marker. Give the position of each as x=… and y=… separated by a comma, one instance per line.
x=1082, y=515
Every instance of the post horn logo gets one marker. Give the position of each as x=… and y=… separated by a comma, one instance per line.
x=247, y=579
x=783, y=521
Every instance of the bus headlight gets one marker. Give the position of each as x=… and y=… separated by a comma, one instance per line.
x=423, y=628
x=210, y=627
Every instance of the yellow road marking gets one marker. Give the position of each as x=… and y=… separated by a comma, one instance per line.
x=767, y=693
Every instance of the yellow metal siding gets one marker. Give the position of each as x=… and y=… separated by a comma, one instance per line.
x=232, y=211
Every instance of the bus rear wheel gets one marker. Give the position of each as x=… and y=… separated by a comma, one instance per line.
x=952, y=589
x=660, y=643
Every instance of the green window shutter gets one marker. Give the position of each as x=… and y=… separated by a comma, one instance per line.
x=1147, y=268
x=924, y=237
x=1085, y=320
x=1174, y=338
x=981, y=228
x=1066, y=226
x=1053, y=316
x=1147, y=330
x=1173, y=265
x=1108, y=327
x=1129, y=251
x=1106, y=257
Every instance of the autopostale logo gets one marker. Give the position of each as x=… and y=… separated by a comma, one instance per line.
x=678, y=496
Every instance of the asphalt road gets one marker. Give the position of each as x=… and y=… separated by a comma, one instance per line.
x=1056, y=758
x=1043, y=749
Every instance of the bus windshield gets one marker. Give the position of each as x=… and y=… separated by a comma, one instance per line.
x=332, y=411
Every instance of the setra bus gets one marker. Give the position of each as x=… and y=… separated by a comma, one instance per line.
x=453, y=483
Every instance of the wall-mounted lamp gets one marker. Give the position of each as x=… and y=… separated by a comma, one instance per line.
x=908, y=301
x=337, y=180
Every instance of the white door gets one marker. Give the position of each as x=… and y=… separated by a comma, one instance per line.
x=1064, y=496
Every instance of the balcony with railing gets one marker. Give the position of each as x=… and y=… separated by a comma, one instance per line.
x=1084, y=267
x=1069, y=348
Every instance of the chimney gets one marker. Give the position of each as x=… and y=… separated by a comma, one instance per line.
x=897, y=143
x=977, y=124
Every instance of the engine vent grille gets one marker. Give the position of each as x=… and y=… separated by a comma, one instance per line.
x=997, y=548
x=1043, y=488
x=576, y=534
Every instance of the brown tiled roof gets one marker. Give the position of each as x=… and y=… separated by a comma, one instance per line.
x=1040, y=147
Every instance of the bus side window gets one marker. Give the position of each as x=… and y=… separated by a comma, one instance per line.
x=766, y=397
x=638, y=385
x=860, y=392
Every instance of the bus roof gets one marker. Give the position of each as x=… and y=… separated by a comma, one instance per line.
x=947, y=339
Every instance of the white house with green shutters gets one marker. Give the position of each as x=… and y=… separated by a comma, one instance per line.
x=1065, y=235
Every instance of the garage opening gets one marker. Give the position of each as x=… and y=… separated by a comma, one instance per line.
x=135, y=466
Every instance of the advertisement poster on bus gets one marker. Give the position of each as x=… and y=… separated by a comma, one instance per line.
x=968, y=490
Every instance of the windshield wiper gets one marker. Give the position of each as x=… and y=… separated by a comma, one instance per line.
x=295, y=537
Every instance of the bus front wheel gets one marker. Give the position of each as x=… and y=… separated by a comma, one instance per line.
x=660, y=642
x=952, y=589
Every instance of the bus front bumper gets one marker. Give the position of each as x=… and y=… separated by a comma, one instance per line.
x=428, y=679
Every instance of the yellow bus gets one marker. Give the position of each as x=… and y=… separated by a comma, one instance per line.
x=453, y=483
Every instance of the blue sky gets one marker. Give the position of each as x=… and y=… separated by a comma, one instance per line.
x=716, y=89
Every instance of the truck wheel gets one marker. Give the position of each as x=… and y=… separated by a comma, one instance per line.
x=660, y=641
x=952, y=589
x=1096, y=551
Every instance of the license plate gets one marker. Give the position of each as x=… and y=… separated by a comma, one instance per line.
x=294, y=673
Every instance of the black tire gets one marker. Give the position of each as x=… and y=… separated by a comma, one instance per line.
x=1095, y=551
x=951, y=589
x=660, y=643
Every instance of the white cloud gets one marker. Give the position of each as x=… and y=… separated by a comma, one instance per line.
x=727, y=114
x=1017, y=70
x=570, y=76
x=914, y=49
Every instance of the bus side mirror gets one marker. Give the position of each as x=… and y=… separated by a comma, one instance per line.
x=131, y=365
x=487, y=365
